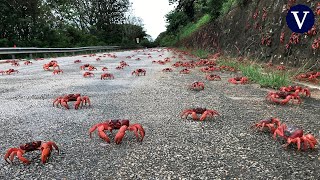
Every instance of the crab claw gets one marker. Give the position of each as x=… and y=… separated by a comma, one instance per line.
x=86, y=100
x=209, y=113
x=78, y=102
x=46, y=149
x=101, y=127
x=64, y=102
x=119, y=136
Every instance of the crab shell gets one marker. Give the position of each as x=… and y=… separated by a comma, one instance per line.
x=203, y=111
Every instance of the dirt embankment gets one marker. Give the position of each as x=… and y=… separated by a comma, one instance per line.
x=241, y=31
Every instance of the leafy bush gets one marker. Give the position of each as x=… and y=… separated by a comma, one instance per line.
x=4, y=42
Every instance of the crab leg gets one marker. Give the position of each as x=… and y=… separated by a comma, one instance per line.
x=9, y=152
x=86, y=100
x=135, y=128
x=21, y=158
x=295, y=140
x=309, y=139
x=64, y=103
x=57, y=101
x=15, y=152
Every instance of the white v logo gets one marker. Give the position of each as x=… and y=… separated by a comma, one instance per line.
x=295, y=14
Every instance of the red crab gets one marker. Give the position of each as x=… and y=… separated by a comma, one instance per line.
x=296, y=90
x=185, y=71
x=91, y=68
x=80, y=100
x=295, y=135
x=122, y=125
x=264, y=15
x=88, y=74
x=83, y=67
x=212, y=77
x=227, y=68
x=44, y=147
x=255, y=15
x=281, y=68
x=316, y=43
x=312, y=31
x=167, y=59
x=203, y=111
x=9, y=71
x=57, y=71
x=107, y=76
x=104, y=69
x=98, y=59
x=139, y=72
x=282, y=38
x=197, y=86
x=14, y=63
x=167, y=70
x=123, y=63
x=209, y=69
x=27, y=62
x=52, y=63
x=77, y=61
x=282, y=97
x=119, y=67
x=269, y=123
x=238, y=80
x=177, y=64
x=137, y=59
x=318, y=9
x=310, y=76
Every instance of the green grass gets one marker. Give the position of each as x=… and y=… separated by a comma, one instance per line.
x=203, y=54
x=255, y=73
x=192, y=27
x=273, y=79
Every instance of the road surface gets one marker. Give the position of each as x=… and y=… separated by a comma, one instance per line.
x=221, y=148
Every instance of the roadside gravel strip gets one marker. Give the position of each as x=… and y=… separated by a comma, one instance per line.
x=173, y=148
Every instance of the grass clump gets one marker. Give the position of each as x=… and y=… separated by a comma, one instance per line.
x=203, y=54
x=272, y=79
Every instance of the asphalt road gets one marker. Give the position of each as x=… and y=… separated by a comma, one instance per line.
x=173, y=148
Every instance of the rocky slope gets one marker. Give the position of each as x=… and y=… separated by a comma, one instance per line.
x=241, y=31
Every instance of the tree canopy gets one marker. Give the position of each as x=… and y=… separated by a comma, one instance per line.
x=67, y=23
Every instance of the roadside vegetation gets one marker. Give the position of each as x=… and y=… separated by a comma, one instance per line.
x=258, y=74
x=189, y=16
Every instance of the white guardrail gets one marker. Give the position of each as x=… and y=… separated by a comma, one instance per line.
x=32, y=50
